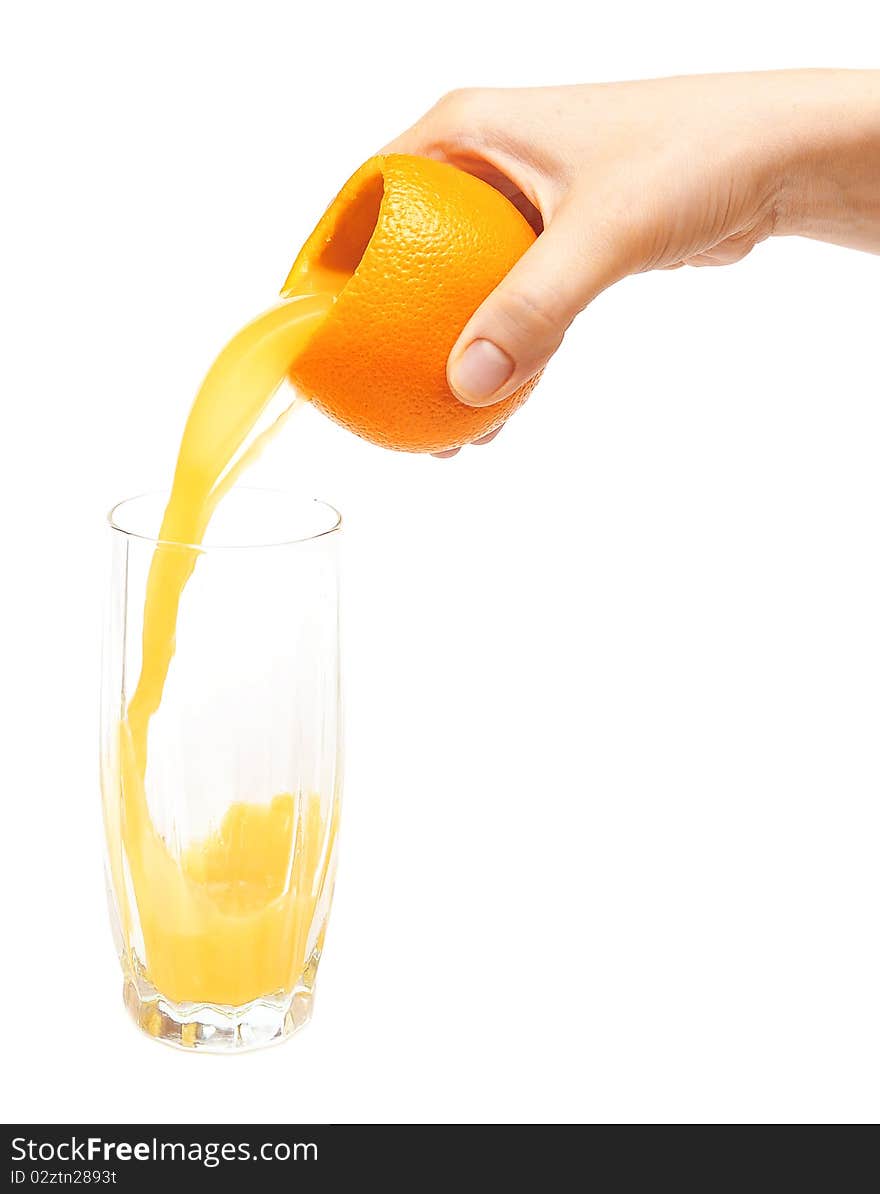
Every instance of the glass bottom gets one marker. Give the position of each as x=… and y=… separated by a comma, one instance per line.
x=217, y=1027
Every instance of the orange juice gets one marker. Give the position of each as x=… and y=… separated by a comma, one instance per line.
x=225, y=919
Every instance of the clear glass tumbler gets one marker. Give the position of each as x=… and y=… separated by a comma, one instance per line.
x=221, y=782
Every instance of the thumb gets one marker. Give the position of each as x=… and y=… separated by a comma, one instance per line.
x=521, y=324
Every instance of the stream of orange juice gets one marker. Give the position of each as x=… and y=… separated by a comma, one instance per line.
x=226, y=919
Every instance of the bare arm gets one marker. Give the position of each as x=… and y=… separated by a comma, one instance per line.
x=629, y=177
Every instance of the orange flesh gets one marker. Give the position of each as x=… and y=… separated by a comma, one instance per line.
x=218, y=922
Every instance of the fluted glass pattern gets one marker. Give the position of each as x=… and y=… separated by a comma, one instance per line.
x=221, y=806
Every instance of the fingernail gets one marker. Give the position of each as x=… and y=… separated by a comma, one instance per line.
x=480, y=372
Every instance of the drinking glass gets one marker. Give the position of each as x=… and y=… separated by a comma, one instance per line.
x=221, y=782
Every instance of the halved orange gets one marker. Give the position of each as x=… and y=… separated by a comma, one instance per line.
x=410, y=247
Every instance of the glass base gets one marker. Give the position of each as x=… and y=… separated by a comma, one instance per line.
x=217, y=1027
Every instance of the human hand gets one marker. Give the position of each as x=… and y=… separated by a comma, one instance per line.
x=622, y=178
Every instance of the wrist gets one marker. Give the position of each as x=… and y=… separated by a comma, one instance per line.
x=828, y=184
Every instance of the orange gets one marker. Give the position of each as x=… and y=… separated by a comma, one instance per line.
x=410, y=247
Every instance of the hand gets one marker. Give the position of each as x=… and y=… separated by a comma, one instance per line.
x=622, y=178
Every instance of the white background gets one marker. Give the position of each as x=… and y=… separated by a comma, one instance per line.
x=611, y=824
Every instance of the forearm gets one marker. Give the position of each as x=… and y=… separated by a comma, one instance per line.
x=631, y=177
x=830, y=189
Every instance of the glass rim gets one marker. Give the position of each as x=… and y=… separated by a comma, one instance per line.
x=117, y=527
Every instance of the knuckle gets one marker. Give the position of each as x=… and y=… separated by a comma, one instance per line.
x=457, y=103
x=531, y=314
